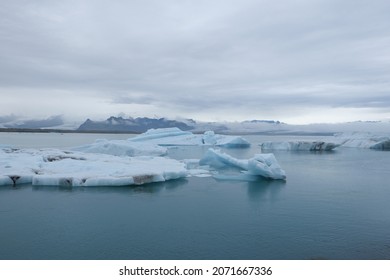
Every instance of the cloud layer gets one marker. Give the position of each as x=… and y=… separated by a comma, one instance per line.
x=299, y=61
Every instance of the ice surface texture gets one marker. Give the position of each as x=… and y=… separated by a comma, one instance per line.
x=128, y=162
x=65, y=168
x=299, y=146
x=177, y=137
x=122, y=148
x=264, y=165
x=363, y=140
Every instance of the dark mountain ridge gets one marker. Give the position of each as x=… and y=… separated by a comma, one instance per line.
x=138, y=125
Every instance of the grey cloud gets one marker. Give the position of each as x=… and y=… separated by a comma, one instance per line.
x=49, y=122
x=7, y=118
x=202, y=55
x=138, y=98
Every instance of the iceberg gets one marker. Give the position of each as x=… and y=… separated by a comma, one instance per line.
x=122, y=148
x=159, y=133
x=363, y=140
x=263, y=165
x=71, y=168
x=176, y=137
x=299, y=146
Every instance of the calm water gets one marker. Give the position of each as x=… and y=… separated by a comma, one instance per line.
x=333, y=205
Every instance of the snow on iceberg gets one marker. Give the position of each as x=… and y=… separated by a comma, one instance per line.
x=264, y=165
x=121, y=148
x=299, y=146
x=363, y=140
x=65, y=168
x=158, y=133
x=176, y=137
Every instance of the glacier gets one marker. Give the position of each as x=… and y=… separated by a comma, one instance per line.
x=71, y=168
x=176, y=137
x=263, y=165
x=299, y=146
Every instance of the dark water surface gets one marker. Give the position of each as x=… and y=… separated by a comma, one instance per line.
x=333, y=205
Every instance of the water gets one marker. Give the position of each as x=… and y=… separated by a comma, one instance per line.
x=334, y=205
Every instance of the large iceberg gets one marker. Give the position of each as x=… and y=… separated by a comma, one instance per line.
x=298, y=146
x=264, y=165
x=68, y=168
x=349, y=140
x=176, y=137
x=122, y=148
x=363, y=140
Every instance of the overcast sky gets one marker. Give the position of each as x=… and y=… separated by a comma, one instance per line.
x=301, y=61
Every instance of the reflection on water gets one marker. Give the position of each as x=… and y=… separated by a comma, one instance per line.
x=261, y=189
x=8, y=188
x=151, y=188
x=256, y=190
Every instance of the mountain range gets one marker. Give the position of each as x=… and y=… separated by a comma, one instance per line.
x=142, y=124
x=137, y=125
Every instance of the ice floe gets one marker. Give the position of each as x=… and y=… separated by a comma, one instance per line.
x=176, y=137
x=122, y=148
x=69, y=168
x=264, y=165
x=363, y=140
x=299, y=146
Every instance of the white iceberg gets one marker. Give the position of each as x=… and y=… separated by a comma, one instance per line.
x=363, y=140
x=159, y=133
x=264, y=165
x=298, y=146
x=176, y=137
x=65, y=168
x=122, y=148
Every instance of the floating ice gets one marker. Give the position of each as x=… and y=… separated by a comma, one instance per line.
x=363, y=140
x=160, y=133
x=194, y=169
x=264, y=165
x=122, y=148
x=177, y=137
x=65, y=168
x=299, y=146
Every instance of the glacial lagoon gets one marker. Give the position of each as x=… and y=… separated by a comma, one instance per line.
x=333, y=205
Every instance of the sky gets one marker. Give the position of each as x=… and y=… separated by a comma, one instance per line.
x=302, y=61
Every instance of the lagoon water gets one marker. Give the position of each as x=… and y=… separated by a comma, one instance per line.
x=333, y=205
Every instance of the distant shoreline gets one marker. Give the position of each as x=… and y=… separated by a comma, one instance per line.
x=270, y=133
x=48, y=130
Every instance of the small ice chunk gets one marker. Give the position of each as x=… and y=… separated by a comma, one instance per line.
x=264, y=165
x=228, y=141
x=209, y=138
